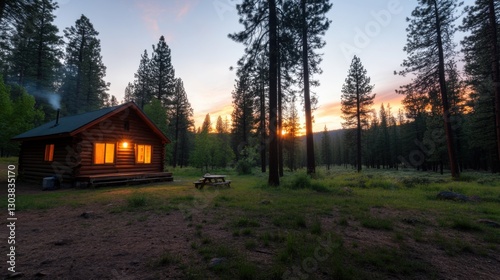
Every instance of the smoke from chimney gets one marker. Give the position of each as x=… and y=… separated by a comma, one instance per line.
x=53, y=98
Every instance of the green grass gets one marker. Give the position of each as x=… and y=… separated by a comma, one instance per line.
x=166, y=259
x=377, y=223
x=304, y=212
x=137, y=200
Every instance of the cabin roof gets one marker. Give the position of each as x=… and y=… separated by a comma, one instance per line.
x=71, y=125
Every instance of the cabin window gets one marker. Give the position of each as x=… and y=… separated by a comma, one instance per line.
x=126, y=125
x=49, y=152
x=143, y=153
x=104, y=153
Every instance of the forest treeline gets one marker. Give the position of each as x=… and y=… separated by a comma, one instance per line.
x=449, y=119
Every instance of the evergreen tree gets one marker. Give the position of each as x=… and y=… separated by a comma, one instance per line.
x=143, y=92
x=84, y=88
x=313, y=25
x=326, y=150
x=203, y=147
x=384, y=137
x=260, y=22
x=481, y=55
x=155, y=111
x=242, y=118
x=291, y=127
x=34, y=59
x=429, y=46
x=36, y=49
x=180, y=122
x=12, y=14
x=113, y=101
x=162, y=73
x=129, y=93
x=356, y=102
x=223, y=151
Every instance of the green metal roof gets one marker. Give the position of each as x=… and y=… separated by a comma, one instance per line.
x=66, y=125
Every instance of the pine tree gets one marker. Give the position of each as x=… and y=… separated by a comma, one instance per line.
x=291, y=127
x=113, y=101
x=356, y=102
x=384, y=139
x=12, y=13
x=180, y=116
x=162, y=72
x=314, y=24
x=481, y=55
x=129, y=93
x=202, y=156
x=429, y=45
x=242, y=118
x=35, y=54
x=223, y=151
x=143, y=92
x=84, y=88
x=155, y=111
x=326, y=150
x=274, y=178
x=260, y=20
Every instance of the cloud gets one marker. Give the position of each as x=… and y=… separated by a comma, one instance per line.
x=151, y=12
x=328, y=109
x=183, y=8
x=155, y=12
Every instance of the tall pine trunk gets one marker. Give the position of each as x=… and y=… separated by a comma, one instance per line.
x=455, y=173
x=280, y=122
x=176, y=138
x=311, y=168
x=274, y=178
x=358, y=128
x=496, y=72
x=79, y=76
x=262, y=128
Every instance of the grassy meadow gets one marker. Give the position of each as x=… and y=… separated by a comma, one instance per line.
x=378, y=224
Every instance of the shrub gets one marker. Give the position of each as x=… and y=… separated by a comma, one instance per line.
x=244, y=167
x=137, y=200
x=303, y=181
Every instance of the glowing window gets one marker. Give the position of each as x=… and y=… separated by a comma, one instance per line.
x=49, y=152
x=104, y=153
x=143, y=153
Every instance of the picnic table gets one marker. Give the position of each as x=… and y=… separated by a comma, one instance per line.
x=212, y=180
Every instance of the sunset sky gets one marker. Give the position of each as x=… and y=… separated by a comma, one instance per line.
x=196, y=32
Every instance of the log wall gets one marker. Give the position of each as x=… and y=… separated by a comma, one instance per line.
x=123, y=127
x=73, y=156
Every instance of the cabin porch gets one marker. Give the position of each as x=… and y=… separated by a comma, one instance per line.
x=122, y=178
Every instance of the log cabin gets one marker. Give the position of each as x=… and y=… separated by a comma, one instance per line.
x=118, y=144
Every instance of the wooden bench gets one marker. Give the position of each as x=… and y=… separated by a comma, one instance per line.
x=225, y=184
x=201, y=184
x=124, y=178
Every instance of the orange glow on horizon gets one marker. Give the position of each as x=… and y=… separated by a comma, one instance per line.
x=327, y=114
